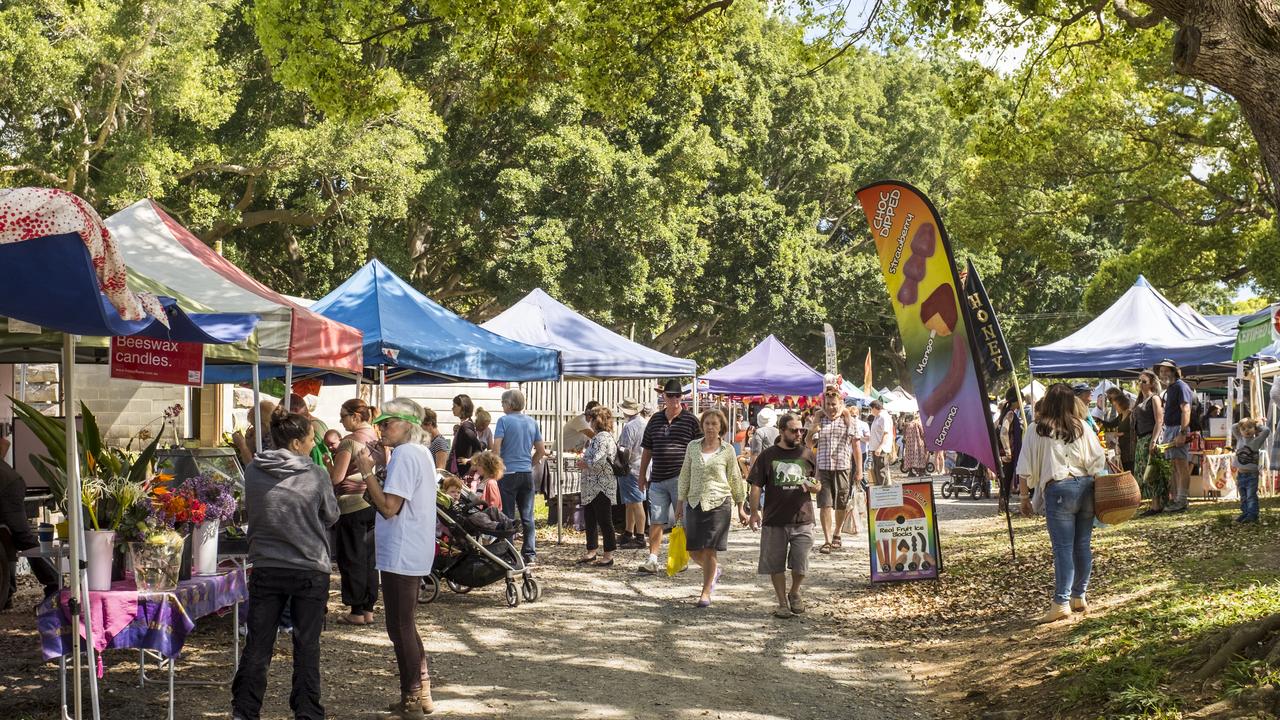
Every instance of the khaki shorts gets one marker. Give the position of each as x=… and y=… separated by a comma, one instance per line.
x=785, y=547
x=835, y=488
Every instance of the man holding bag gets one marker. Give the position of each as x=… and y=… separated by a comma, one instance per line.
x=1177, y=429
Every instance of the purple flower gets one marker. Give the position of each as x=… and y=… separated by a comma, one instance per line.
x=218, y=494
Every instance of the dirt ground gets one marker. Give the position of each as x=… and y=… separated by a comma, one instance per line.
x=602, y=643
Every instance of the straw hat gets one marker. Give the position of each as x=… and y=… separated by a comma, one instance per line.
x=629, y=407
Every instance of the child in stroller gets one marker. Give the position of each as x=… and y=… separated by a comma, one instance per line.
x=967, y=475
x=474, y=548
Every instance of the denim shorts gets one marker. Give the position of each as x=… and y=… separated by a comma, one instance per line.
x=662, y=501
x=629, y=490
x=1182, y=452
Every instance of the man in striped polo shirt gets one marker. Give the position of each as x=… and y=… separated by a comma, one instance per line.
x=666, y=438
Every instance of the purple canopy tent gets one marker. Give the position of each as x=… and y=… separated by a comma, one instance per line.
x=770, y=368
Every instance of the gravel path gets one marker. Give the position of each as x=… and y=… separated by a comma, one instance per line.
x=602, y=643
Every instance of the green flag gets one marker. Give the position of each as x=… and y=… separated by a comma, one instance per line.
x=1254, y=333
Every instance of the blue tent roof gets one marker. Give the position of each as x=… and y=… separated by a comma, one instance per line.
x=73, y=301
x=1140, y=329
x=417, y=339
x=769, y=368
x=587, y=349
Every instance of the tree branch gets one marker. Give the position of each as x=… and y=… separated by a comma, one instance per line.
x=1134, y=20
x=848, y=43
x=721, y=5
x=38, y=172
x=381, y=33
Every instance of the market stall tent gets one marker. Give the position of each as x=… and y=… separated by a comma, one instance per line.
x=587, y=350
x=769, y=368
x=65, y=273
x=160, y=249
x=1138, y=330
x=415, y=339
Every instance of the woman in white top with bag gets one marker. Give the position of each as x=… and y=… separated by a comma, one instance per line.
x=1059, y=459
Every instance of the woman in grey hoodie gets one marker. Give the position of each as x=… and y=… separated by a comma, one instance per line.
x=290, y=507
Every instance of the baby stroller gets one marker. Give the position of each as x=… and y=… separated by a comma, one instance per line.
x=474, y=550
x=967, y=475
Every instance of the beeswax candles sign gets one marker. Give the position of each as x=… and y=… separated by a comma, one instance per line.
x=902, y=528
x=915, y=256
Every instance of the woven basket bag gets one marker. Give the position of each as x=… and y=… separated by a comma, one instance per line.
x=1116, y=497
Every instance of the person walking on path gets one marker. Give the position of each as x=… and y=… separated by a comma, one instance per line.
x=290, y=507
x=357, y=568
x=1059, y=459
x=1148, y=421
x=406, y=540
x=518, y=440
x=1176, y=431
x=629, y=494
x=1250, y=436
x=786, y=530
x=664, y=445
x=599, y=486
x=466, y=439
x=881, y=443
x=914, y=459
x=835, y=436
x=709, y=487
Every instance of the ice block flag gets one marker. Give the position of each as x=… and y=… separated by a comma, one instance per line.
x=919, y=270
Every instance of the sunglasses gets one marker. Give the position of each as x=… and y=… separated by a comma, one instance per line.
x=671, y=395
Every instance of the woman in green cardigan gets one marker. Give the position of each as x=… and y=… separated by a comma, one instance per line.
x=710, y=486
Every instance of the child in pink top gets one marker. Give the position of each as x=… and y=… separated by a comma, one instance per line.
x=486, y=468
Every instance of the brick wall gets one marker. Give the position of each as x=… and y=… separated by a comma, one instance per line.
x=123, y=407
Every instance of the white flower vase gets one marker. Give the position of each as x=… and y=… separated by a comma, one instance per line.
x=101, y=546
x=204, y=548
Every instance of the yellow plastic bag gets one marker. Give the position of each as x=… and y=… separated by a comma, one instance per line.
x=677, y=555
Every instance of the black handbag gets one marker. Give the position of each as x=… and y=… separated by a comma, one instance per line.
x=621, y=462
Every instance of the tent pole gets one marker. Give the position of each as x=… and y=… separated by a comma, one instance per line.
x=558, y=426
x=694, y=388
x=382, y=386
x=257, y=409
x=288, y=380
x=1232, y=389
x=75, y=519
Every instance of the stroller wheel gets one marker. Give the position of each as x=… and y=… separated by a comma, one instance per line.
x=946, y=488
x=513, y=594
x=429, y=590
x=973, y=491
x=531, y=589
x=460, y=589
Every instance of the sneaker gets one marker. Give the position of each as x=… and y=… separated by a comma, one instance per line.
x=530, y=560
x=1176, y=506
x=1241, y=519
x=1079, y=605
x=649, y=566
x=1150, y=511
x=797, y=604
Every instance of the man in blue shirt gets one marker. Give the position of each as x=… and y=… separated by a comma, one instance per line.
x=1177, y=428
x=518, y=440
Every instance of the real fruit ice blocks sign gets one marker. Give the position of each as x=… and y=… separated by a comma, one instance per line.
x=902, y=528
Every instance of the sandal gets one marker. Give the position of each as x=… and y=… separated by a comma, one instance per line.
x=586, y=560
x=825, y=549
x=835, y=542
x=782, y=612
x=347, y=620
x=604, y=563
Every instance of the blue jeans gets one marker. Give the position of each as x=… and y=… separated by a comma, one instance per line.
x=1247, y=484
x=1068, y=508
x=517, y=495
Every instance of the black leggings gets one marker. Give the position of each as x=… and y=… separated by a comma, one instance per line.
x=599, y=512
x=356, y=560
x=400, y=596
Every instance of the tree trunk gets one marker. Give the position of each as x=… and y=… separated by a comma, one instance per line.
x=1234, y=45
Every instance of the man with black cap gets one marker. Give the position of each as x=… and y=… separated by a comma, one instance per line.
x=1177, y=428
x=666, y=438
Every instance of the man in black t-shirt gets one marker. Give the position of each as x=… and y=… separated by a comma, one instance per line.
x=786, y=530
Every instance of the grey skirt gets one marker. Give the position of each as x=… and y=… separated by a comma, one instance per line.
x=708, y=529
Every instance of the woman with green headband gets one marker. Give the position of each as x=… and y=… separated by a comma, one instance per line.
x=405, y=537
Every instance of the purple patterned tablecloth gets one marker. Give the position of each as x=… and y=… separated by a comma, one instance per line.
x=163, y=619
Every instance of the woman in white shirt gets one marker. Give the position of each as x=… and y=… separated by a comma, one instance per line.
x=1059, y=459
x=405, y=537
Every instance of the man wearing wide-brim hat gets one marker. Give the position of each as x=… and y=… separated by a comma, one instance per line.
x=1176, y=431
x=629, y=493
x=666, y=438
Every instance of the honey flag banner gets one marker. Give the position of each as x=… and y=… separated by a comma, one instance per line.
x=919, y=270
x=993, y=351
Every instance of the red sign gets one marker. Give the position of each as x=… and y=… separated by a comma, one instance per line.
x=159, y=361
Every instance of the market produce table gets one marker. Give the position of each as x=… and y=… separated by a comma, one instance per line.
x=1216, y=476
x=154, y=623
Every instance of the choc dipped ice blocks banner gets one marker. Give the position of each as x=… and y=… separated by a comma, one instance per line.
x=920, y=273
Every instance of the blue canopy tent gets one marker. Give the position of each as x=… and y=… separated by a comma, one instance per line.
x=63, y=273
x=587, y=351
x=409, y=338
x=1138, y=330
x=769, y=368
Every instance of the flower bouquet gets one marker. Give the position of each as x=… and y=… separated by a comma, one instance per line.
x=157, y=559
x=217, y=495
